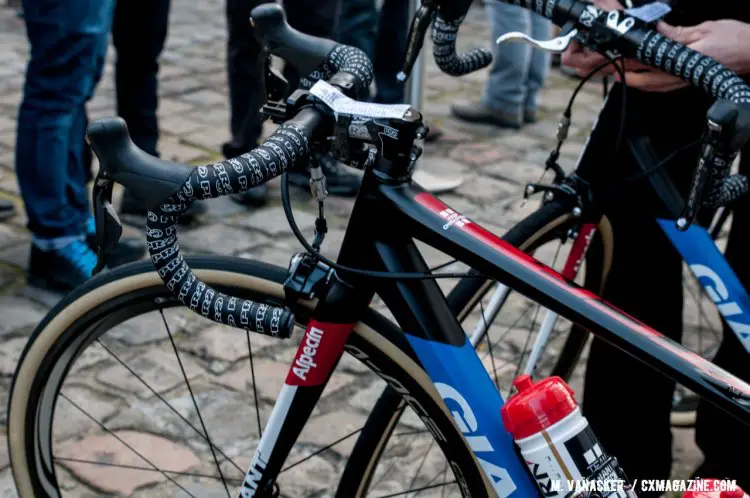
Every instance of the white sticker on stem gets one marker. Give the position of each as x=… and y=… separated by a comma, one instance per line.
x=341, y=104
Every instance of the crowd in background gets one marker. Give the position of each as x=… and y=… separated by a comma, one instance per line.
x=69, y=46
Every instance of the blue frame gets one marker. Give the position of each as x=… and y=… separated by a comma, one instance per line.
x=475, y=407
x=715, y=275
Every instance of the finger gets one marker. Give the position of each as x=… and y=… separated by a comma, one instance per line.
x=608, y=4
x=653, y=81
x=682, y=34
x=582, y=60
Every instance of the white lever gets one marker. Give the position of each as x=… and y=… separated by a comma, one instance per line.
x=556, y=45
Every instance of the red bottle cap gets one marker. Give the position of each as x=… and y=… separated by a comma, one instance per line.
x=537, y=406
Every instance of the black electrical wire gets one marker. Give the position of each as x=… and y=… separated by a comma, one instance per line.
x=286, y=202
x=288, y=211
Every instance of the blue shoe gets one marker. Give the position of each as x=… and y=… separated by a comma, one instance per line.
x=63, y=269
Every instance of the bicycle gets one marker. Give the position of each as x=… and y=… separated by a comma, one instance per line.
x=428, y=364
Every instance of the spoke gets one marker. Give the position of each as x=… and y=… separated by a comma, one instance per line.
x=511, y=326
x=161, y=398
x=439, y=474
x=393, y=464
x=418, y=490
x=145, y=469
x=489, y=346
x=445, y=471
x=409, y=433
x=255, y=386
x=127, y=445
x=321, y=450
x=195, y=404
x=421, y=464
x=701, y=309
x=443, y=265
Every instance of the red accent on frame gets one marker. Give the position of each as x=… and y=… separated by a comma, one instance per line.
x=321, y=346
x=578, y=251
x=438, y=207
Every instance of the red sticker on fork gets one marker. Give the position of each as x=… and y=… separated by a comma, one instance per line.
x=321, y=345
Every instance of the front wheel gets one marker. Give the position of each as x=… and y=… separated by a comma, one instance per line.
x=121, y=391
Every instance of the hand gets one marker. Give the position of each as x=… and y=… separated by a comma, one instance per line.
x=584, y=60
x=725, y=40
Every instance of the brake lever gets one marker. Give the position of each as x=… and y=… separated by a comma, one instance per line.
x=700, y=176
x=108, y=225
x=556, y=45
x=417, y=31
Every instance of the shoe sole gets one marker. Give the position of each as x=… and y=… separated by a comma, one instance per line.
x=683, y=419
x=489, y=121
x=48, y=285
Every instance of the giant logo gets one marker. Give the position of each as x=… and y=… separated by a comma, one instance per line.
x=478, y=442
x=719, y=294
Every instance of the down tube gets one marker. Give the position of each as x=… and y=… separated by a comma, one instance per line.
x=474, y=402
x=715, y=275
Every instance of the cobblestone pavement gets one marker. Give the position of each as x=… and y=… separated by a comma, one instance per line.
x=194, y=120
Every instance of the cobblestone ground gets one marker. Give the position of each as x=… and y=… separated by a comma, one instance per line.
x=194, y=116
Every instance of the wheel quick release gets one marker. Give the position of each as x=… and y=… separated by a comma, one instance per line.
x=557, y=443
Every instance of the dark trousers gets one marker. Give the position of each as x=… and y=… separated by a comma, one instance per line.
x=139, y=31
x=383, y=37
x=245, y=61
x=627, y=403
x=68, y=41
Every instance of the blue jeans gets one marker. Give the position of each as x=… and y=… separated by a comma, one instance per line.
x=519, y=70
x=68, y=47
x=383, y=37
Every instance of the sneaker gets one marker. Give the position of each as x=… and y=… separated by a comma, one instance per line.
x=481, y=114
x=338, y=182
x=63, y=269
x=254, y=197
x=433, y=135
x=7, y=209
x=530, y=116
x=131, y=205
x=684, y=408
x=127, y=249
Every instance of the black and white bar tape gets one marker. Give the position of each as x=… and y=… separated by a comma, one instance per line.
x=716, y=80
x=444, y=50
x=287, y=148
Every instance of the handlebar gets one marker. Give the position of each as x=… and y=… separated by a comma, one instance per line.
x=618, y=33
x=168, y=189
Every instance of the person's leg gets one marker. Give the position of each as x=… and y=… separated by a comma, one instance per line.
x=505, y=92
x=390, y=50
x=357, y=25
x=139, y=31
x=244, y=74
x=637, y=433
x=313, y=18
x=322, y=19
x=66, y=53
x=246, y=90
x=723, y=439
x=541, y=29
